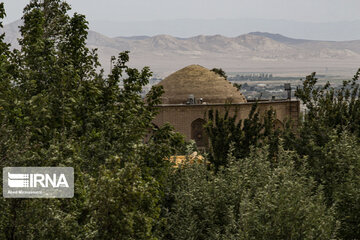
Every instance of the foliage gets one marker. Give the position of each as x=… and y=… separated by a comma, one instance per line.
x=58, y=109
x=124, y=204
x=250, y=199
x=339, y=173
x=328, y=108
x=224, y=130
x=329, y=137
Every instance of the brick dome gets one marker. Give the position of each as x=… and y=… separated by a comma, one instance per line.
x=201, y=83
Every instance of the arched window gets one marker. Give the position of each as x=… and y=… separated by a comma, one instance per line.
x=198, y=133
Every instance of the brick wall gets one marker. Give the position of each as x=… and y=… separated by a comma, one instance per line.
x=182, y=116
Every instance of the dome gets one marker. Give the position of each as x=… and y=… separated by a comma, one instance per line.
x=201, y=83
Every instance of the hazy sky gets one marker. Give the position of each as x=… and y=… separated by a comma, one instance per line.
x=133, y=10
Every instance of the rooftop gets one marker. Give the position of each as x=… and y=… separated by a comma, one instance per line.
x=201, y=83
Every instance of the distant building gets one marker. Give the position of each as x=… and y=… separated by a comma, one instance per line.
x=193, y=90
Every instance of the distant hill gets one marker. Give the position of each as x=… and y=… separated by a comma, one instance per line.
x=253, y=52
x=279, y=38
x=336, y=30
x=246, y=53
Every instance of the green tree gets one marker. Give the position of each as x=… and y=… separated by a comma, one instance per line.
x=225, y=130
x=328, y=108
x=124, y=203
x=340, y=176
x=58, y=109
x=250, y=199
x=328, y=136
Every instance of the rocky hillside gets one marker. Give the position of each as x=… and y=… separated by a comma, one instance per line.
x=255, y=51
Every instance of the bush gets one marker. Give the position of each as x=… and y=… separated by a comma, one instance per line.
x=251, y=199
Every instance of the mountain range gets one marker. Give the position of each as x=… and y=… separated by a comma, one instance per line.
x=336, y=30
x=252, y=52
